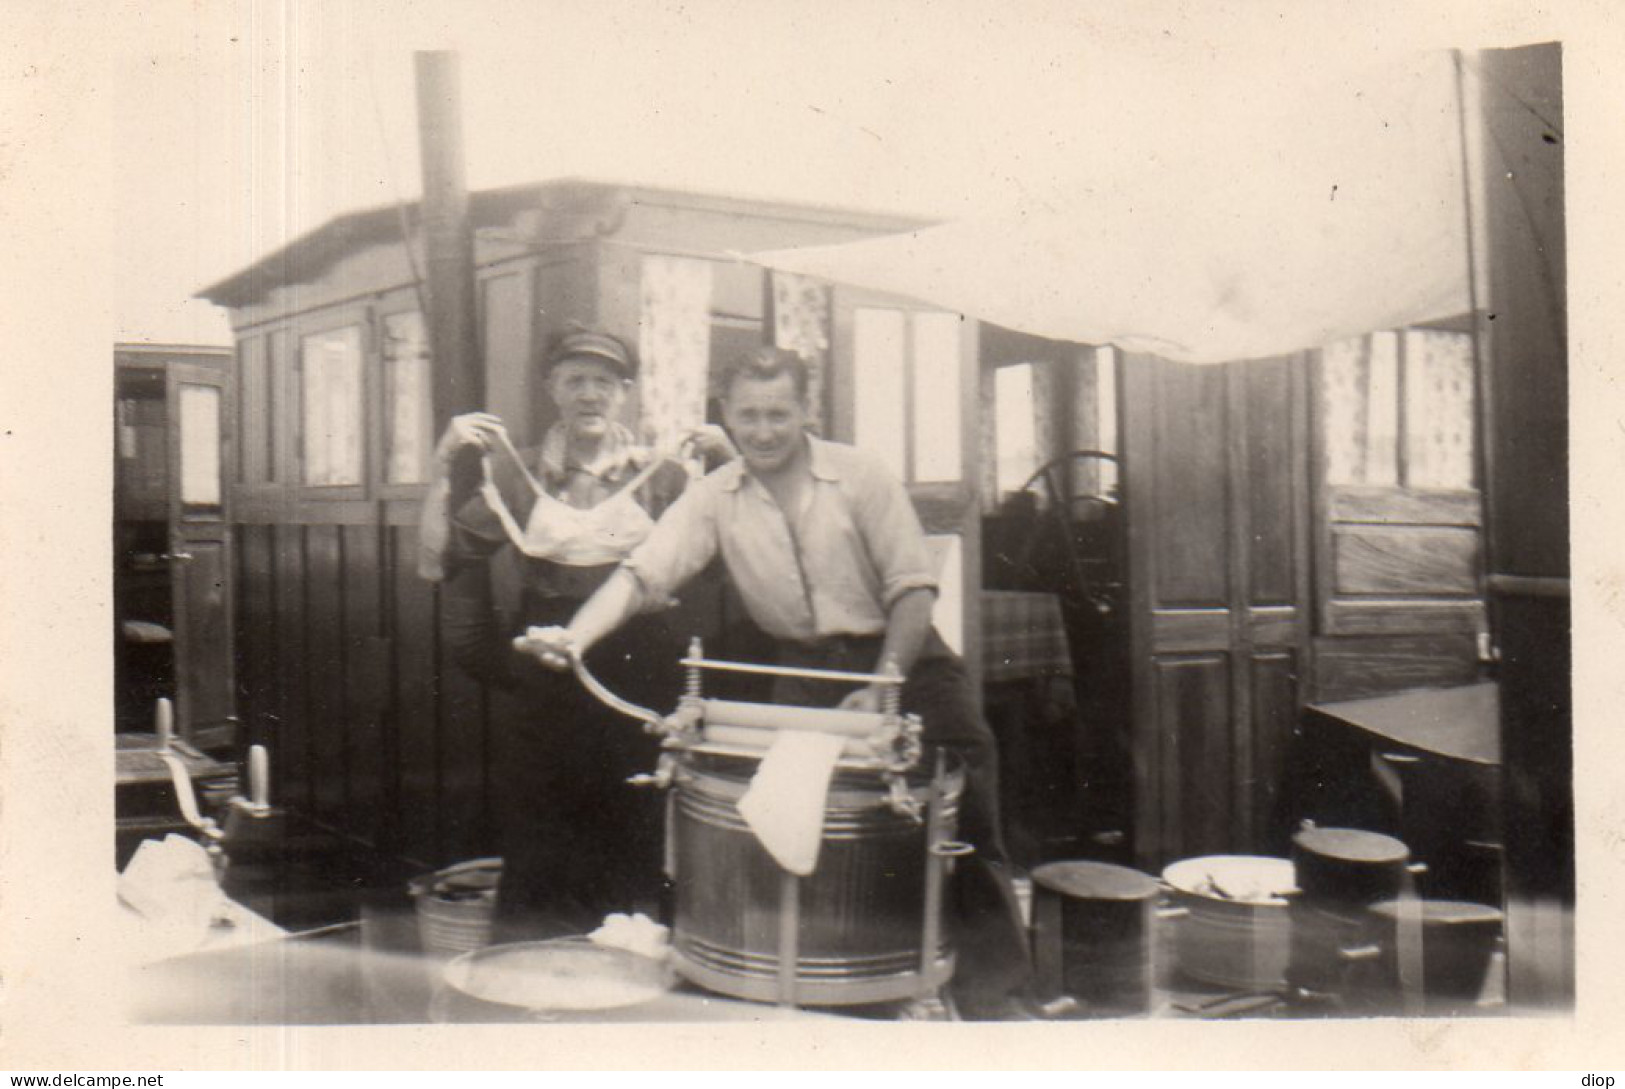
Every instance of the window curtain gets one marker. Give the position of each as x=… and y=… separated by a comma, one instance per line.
x=801, y=322
x=1438, y=409
x=674, y=345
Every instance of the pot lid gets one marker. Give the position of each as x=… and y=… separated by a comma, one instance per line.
x=1352, y=845
x=1441, y=912
x=1095, y=881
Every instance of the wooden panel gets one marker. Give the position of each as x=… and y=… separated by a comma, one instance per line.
x=203, y=632
x=1274, y=692
x=1195, y=774
x=257, y=644
x=324, y=655
x=1190, y=537
x=1404, y=617
x=1389, y=505
x=413, y=712
x=1186, y=630
x=1356, y=667
x=1267, y=467
x=295, y=760
x=265, y=507
x=331, y=512
x=368, y=754
x=1405, y=560
x=1275, y=625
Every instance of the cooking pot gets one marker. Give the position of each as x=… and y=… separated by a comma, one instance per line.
x=1349, y=865
x=1457, y=941
x=1236, y=932
x=1092, y=935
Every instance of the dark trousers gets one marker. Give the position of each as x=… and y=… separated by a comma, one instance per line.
x=578, y=842
x=993, y=958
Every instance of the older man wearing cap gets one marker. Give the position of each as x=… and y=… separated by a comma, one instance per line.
x=577, y=842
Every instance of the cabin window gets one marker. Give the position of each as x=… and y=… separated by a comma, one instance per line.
x=905, y=388
x=200, y=448
x=330, y=373
x=1095, y=414
x=1033, y=420
x=408, y=427
x=1398, y=410
x=936, y=397
x=738, y=325
x=1014, y=426
x=878, y=384
x=1439, y=409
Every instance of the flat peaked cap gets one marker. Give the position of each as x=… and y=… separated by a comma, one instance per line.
x=599, y=346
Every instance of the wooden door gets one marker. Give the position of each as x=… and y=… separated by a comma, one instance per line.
x=200, y=554
x=1217, y=506
x=904, y=386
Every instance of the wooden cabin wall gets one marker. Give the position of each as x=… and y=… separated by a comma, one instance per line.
x=343, y=674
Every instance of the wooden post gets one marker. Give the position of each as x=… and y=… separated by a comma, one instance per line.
x=459, y=378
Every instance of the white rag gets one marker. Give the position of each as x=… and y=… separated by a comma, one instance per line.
x=785, y=803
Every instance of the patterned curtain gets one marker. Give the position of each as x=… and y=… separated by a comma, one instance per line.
x=1438, y=409
x=1342, y=408
x=801, y=323
x=674, y=344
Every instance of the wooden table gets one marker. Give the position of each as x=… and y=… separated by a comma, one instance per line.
x=1456, y=723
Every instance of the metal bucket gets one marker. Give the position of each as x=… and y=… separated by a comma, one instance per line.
x=857, y=920
x=1455, y=942
x=1237, y=932
x=456, y=906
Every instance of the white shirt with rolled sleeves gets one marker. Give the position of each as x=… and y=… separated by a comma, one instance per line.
x=835, y=567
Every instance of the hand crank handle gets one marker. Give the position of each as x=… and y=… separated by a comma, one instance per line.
x=652, y=721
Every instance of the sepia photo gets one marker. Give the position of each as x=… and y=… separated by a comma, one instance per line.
x=821, y=523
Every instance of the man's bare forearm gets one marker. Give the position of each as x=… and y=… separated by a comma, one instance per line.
x=908, y=622
x=615, y=602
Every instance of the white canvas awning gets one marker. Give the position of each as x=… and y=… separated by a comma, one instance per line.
x=1344, y=214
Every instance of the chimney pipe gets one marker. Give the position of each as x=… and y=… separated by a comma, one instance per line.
x=459, y=377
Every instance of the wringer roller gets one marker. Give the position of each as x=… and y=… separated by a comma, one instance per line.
x=865, y=925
